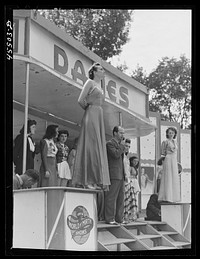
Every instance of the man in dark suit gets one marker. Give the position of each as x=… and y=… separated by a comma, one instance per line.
x=114, y=198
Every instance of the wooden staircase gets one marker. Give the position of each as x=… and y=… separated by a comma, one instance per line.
x=171, y=234
x=139, y=235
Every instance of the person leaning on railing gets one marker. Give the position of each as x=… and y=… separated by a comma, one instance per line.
x=26, y=180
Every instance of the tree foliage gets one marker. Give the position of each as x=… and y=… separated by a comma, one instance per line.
x=171, y=85
x=170, y=89
x=103, y=31
x=140, y=75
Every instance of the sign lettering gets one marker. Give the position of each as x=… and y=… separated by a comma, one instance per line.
x=78, y=73
x=80, y=224
x=60, y=52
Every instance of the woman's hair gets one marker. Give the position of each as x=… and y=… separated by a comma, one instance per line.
x=131, y=159
x=115, y=129
x=62, y=132
x=173, y=129
x=92, y=69
x=50, y=131
x=29, y=124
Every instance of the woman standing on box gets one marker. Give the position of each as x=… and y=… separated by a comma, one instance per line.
x=170, y=184
x=91, y=164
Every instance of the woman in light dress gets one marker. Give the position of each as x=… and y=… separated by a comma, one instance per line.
x=91, y=164
x=170, y=183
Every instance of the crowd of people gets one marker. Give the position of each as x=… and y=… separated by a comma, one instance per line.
x=92, y=163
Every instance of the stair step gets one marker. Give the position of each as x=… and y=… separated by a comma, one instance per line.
x=104, y=225
x=107, y=234
x=152, y=222
x=162, y=248
x=118, y=241
x=147, y=236
x=136, y=223
x=180, y=243
x=167, y=232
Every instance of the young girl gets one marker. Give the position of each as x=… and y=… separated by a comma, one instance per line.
x=130, y=199
x=64, y=173
x=134, y=164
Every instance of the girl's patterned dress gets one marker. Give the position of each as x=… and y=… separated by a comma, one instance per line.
x=61, y=157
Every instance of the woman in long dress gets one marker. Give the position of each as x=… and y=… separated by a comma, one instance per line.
x=71, y=159
x=31, y=148
x=170, y=184
x=134, y=164
x=48, y=150
x=91, y=165
x=130, y=202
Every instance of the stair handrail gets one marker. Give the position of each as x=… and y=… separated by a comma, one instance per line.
x=186, y=222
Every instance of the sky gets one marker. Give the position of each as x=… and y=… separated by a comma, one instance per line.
x=155, y=34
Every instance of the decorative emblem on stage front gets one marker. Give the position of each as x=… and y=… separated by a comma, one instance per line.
x=80, y=224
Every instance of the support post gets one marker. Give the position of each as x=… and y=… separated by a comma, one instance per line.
x=120, y=119
x=26, y=118
x=155, y=172
x=139, y=175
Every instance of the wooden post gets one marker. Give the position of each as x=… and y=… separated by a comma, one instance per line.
x=120, y=119
x=155, y=173
x=26, y=52
x=26, y=118
x=139, y=175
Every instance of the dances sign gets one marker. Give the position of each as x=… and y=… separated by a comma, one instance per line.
x=58, y=51
x=61, y=64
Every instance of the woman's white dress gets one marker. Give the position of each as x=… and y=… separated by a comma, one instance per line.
x=170, y=181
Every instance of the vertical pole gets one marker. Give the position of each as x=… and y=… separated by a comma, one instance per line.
x=147, y=104
x=139, y=175
x=26, y=52
x=46, y=124
x=155, y=173
x=120, y=119
x=26, y=118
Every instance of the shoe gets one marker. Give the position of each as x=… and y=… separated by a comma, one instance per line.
x=112, y=222
x=124, y=222
x=89, y=186
x=98, y=188
x=78, y=186
x=135, y=218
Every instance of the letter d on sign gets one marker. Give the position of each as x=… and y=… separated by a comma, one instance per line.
x=58, y=51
